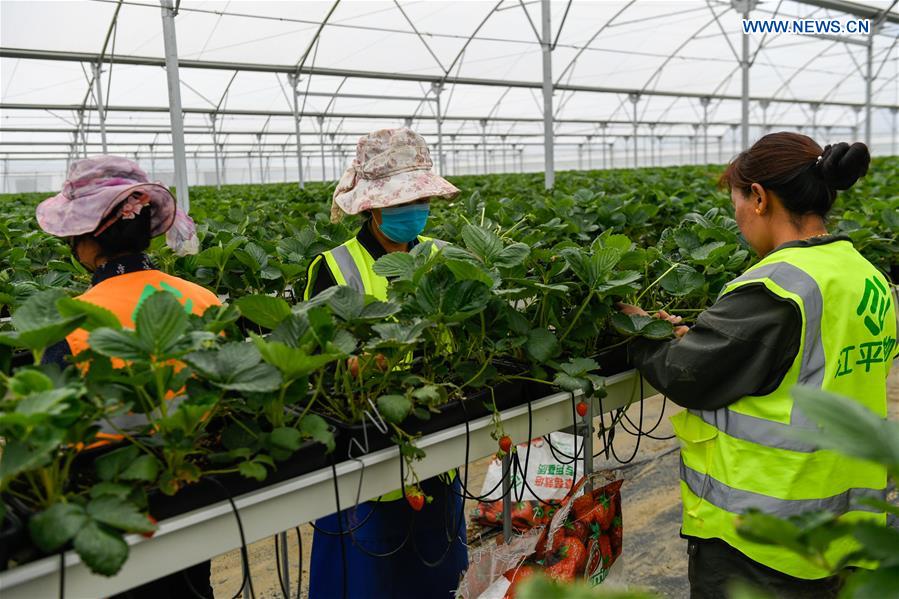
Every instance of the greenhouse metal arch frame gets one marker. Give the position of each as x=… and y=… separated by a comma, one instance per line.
x=883, y=21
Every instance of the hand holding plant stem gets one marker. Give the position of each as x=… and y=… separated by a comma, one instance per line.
x=631, y=310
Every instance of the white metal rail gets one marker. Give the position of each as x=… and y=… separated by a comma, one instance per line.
x=206, y=532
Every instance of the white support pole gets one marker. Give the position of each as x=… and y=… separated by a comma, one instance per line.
x=869, y=83
x=321, y=141
x=502, y=139
x=733, y=133
x=580, y=157
x=294, y=82
x=589, y=145
x=660, y=138
x=484, y=143
x=815, y=107
x=81, y=129
x=549, y=168
x=215, y=149
x=893, y=139
x=101, y=110
x=284, y=161
x=196, y=169
x=634, y=98
x=764, y=104
x=175, y=116
x=250, y=166
x=705, y=129
x=437, y=87
x=652, y=144
x=221, y=147
x=604, y=147
x=334, y=157
x=745, y=6
x=720, y=152
x=261, y=165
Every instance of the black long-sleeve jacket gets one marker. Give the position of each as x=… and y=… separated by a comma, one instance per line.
x=743, y=345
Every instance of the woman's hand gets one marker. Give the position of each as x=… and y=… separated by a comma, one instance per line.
x=679, y=329
x=631, y=310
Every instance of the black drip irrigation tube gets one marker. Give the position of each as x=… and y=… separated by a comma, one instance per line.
x=247, y=580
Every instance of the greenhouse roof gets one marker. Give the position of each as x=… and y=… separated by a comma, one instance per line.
x=367, y=65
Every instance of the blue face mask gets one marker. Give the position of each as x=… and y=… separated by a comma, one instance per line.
x=402, y=224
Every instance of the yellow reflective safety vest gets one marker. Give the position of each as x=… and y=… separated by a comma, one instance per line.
x=352, y=266
x=734, y=458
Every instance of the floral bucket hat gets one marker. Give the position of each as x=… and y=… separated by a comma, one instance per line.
x=392, y=167
x=96, y=186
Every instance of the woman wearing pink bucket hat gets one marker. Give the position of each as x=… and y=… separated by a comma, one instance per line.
x=109, y=211
x=396, y=552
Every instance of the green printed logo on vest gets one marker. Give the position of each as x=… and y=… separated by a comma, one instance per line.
x=873, y=307
x=163, y=286
x=875, y=302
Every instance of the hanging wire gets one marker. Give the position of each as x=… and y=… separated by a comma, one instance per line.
x=62, y=574
x=244, y=554
x=285, y=592
x=299, y=561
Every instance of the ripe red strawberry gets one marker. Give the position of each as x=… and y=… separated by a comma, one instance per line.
x=523, y=516
x=581, y=409
x=505, y=443
x=515, y=576
x=563, y=570
x=605, y=548
x=582, y=507
x=415, y=498
x=579, y=529
x=605, y=512
x=153, y=521
x=574, y=550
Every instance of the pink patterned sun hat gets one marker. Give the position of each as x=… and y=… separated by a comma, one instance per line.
x=96, y=185
x=392, y=167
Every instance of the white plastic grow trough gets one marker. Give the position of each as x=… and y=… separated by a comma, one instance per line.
x=210, y=531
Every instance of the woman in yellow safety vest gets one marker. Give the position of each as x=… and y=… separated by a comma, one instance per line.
x=813, y=312
x=109, y=211
x=391, y=184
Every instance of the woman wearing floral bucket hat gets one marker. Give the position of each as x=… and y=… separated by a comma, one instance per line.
x=390, y=184
x=109, y=211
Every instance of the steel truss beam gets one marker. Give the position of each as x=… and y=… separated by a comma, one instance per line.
x=88, y=57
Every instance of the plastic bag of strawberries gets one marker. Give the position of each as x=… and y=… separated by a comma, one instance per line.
x=582, y=541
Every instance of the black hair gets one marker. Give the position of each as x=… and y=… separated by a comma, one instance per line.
x=804, y=176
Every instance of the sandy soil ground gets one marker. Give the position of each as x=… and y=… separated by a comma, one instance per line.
x=654, y=555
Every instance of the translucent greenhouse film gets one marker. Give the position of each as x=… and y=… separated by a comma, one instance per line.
x=638, y=82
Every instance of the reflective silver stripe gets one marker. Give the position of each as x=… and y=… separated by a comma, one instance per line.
x=811, y=366
x=753, y=429
x=797, y=281
x=738, y=501
x=348, y=268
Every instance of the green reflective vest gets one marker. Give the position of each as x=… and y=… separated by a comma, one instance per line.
x=734, y=458
x=352, y=265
